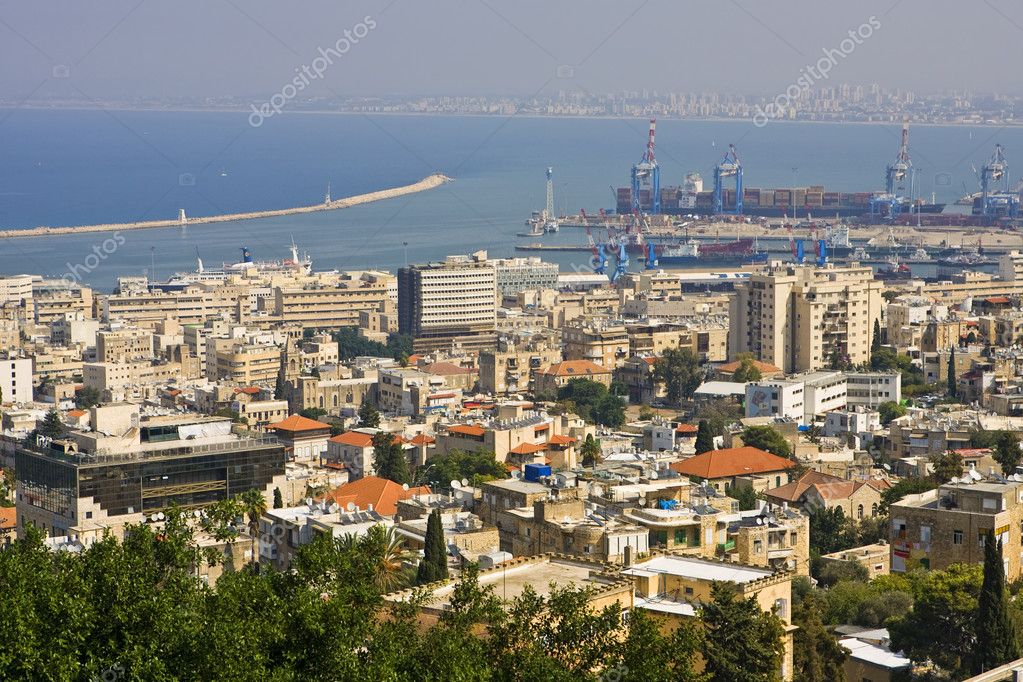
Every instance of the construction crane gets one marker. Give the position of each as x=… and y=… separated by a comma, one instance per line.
x=729, y=167
x=997, y=202
x=647, y=173
x=599, y=259
x=894, y=178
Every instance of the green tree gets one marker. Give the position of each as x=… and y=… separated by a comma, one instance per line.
x=814, y=433
x=890, y=410
x=86, y=397
x=941, y=625
x=875, y=342
x=953, y=383
x=767, y=438
x=743, y=643
x=747, y=370
x=680, y=372
x=816, y=654
x=1007, y=452
x=609, y=411
x=369, y=416
x=590, y=451
x=746, y=496
x=649, y=655
x=718, y=414
x=52, y=426
x=434, y=565
x=478, y=466
x=830, y=531
x=313, y=413
x=389, y=458
x=582, y=396
x=704, y=438
x=278, y=499
x=997, y=636
x=947, y=466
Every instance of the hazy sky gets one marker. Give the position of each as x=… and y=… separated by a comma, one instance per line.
x=251, y=48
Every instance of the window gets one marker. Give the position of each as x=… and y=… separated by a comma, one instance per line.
x=757, y=547
x=689, y=591
x=873, y=509
x=925, y=533
x=859, y=512
x=957, y=537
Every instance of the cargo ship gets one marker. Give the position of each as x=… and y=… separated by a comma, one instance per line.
x=773, y=203
x=738, y=252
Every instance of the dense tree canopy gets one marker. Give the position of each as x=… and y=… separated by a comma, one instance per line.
x=680, y=372
x=592, y=401
x=478, y=466
x=767, y=438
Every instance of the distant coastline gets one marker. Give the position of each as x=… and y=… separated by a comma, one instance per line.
x=531, y=115
x=427, y=183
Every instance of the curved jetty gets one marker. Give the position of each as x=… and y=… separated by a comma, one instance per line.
x=429, y=182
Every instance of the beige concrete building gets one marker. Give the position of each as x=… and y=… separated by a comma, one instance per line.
x=550, y=379
x=124, y=345
x=513, y=371
x=449, y=304
x=950, y=525
x=242, y=363
x=331, y=305
x=875, y=558
x=192, y=305
x=800, y=317
x=606, y=345
x=672, y=587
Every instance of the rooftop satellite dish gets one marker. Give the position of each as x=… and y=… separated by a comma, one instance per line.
x=161, y=516
x=760, y=520
x=465, y=481
x=455, y=484
x=404, y=486
x=350, y=506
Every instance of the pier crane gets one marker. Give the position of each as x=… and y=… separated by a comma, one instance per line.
x=621, y=262
x=997, y=203
x=894, y=179
x=647, y=173
x=550, y=222
x=599, y=259
x=729, y=167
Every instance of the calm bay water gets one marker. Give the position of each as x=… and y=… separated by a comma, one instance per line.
x=85, y=167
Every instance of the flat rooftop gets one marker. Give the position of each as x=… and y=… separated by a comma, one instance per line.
x=698, y=569
x=510, y=582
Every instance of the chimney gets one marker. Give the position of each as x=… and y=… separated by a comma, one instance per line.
x=628, y=564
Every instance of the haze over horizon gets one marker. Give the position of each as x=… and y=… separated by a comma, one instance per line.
x=191, y=49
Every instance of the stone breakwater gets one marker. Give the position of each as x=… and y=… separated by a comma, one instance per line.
x=429, y=182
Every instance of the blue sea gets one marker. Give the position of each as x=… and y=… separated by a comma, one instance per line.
x=71, y=167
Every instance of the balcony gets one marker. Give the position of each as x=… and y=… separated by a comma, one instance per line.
x=723, y=547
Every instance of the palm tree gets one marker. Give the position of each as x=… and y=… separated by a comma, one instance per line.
x=389, y=554
x=253, y=503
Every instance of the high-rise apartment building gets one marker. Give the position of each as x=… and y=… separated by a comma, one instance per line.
x=449, y=304
x=801, y=317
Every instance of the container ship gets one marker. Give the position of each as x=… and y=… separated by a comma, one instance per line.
x=738, y=252
x=679, y=200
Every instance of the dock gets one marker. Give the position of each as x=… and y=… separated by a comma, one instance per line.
x=427, y=183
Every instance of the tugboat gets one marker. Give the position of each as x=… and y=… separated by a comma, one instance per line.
x=895, y=272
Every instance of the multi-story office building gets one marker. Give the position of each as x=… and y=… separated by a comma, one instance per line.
x=514, y=371
x=449, y=304
x=124, y=345
x=513, y=275
x=803, y=317
x=192, y=305
x=331, y=306
x=870, y=389
x=93, y=481
x=605, y=345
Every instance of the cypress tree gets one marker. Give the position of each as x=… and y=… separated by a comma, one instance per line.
x=434, y=565
x=952, y=383
x=875, y=344
x=278, y=499
x=997, y=638
x=704, y=438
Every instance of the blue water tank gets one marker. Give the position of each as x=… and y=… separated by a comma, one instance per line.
x=534, y=472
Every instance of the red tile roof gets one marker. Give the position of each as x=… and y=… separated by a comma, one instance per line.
x=561, y=440
x=76, y=413
x=731, y=462
x=575, y=368
x=528, y=448
x=297, y=422
x=251, y=390
x=996, y=299
x=383, y=494
x=467, y=429
x=686, y=428
x=422, y=439
x=8, y=518
x=444, y=368
x=792, y=492
x=353, y=438
x=763, y=367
